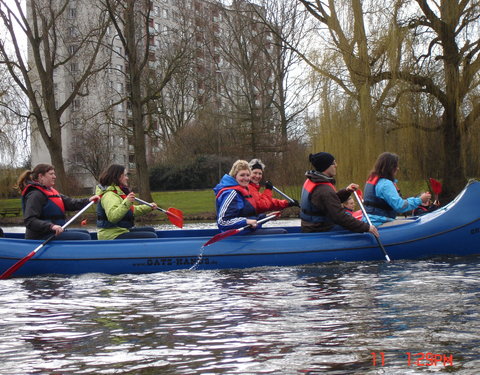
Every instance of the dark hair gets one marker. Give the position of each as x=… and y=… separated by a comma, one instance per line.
x=28, y=175
x=385, y=166
x=111, y=175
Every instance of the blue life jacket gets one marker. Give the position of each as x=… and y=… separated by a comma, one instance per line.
x=375, y=205
x=309, y=212
x=128, y=221
x=54, y=210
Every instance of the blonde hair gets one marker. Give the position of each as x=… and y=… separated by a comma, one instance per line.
x=238, y=166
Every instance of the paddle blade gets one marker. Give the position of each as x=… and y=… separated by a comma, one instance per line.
x=16, y=266
x=360, y=194
x=221, y=236
x=435, y=185
x=175, y=216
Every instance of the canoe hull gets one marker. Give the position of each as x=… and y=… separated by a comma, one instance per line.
x=453, y=230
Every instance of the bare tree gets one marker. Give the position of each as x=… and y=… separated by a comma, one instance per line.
x=14, y=150
x=147, y=73
x=293, y=91
x=244, y=79
x=50, y=52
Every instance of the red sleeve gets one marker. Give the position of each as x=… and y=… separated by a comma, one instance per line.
x=272, y=204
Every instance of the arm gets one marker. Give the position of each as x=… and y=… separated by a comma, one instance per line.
x=229, y=210
x=115, y=207
x=273, y=203
x=74, y=204
x=142, y=210
x=386, y=190
x=329, y=202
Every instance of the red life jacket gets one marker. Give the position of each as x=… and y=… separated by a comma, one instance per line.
x=54, y=209
x=52, y=195
x=309, y=185
x=244, y=192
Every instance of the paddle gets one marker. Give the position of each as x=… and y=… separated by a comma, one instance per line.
x=291, y=200
x=436, y=188
x=22, y=261
x=231, y=232
x=369, y=222
x=174, y=214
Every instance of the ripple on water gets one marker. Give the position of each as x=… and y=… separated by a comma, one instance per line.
x=325, y=318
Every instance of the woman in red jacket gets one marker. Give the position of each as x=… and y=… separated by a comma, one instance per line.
x=264, y=200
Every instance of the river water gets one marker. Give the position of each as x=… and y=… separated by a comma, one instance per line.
x=407, y=317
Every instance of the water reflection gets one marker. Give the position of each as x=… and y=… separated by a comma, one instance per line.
x=325, y=318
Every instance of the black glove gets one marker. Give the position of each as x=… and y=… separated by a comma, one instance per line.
x=268, y=185
x=294, y=203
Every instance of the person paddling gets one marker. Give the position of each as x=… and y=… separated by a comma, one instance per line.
x=116, y=212
x=321, y=205
x=44, y=207
x=382, y=199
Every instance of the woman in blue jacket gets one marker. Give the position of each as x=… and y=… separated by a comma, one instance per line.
x=381, y=196
x=235, y=205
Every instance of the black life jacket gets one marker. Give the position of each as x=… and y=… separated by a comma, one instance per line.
x=309, y=212
x=128, y=221
x=375, y=205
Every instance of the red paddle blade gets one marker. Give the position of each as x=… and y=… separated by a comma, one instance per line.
x=360, y=194
x=16, y=266
x=175, y=216
x=435, y=185
x=221, y=236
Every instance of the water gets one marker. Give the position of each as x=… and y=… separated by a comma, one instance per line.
x=314, y=319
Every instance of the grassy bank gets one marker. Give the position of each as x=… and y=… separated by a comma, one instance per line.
x=195, y=204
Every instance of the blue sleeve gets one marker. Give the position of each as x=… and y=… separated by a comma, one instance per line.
x=386, y=190
x=229, y=205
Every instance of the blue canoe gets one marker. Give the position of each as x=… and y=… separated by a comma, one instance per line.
x=453, y=230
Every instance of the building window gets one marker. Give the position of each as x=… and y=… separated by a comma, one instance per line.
x=76, y=104
x=74, y=67
x=72, y=49
x=72, y=13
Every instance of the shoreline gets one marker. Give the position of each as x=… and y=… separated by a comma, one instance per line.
x=154, y=218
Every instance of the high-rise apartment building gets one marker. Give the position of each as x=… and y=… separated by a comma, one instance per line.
x=97, y=123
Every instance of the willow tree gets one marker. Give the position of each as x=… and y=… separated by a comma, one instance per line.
x=49, y=53
x=445, y=66
x=359, y=49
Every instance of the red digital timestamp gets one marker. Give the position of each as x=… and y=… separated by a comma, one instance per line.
x=417, y=359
